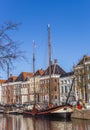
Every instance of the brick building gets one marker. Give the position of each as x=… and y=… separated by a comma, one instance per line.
x=82, y=82
x=49, y=86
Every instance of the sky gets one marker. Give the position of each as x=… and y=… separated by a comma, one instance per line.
x=69, y=31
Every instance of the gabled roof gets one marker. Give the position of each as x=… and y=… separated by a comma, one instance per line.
x=39, y=72
x=24, y=76
x=12, y=79
x=2, y=81
x=55, y=69
x=84, y=59
x=67, y=74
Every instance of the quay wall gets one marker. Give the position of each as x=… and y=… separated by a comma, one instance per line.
x=81, y=114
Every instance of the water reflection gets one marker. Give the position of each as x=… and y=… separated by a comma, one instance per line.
x=81, y=124
x=13, y=122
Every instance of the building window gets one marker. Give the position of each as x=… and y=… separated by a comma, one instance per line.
x=88, y=85
x=80, y=78
x=61, y=82
x=88, y=68
x=65, y=89
x=55, y=88
x=55, y=97
x=55, y=80
x=88, y=76
x=65, y=81
x=68, y=81
x=61, y=89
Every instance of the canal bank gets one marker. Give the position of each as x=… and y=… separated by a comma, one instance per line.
x=81, y=114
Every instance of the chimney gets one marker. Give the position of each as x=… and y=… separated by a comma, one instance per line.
x=51, y=62
x=11, y=75
x=55, y=61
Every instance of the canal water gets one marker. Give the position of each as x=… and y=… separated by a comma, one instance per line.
x=18, y=122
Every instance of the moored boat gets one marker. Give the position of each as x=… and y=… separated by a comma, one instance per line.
x=10, y=112
x=10, y=109
x=50, y=112
x=1, y=110
x=58, y=113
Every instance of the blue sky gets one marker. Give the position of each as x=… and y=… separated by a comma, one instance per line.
x=70, y=30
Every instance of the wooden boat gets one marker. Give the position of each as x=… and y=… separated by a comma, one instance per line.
x=10, y=112
x=1, y=110
x=58, y=113
x=10, y=109
x=14, y=111
x=52, y=112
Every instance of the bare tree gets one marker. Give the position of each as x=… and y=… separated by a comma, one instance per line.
x=9, y=49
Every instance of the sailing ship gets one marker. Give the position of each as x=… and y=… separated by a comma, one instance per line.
x=51, y=112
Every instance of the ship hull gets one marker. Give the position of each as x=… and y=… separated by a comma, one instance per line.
x=57, y=113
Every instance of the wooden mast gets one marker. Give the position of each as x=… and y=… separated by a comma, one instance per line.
x=49, y=56
x=34, y=71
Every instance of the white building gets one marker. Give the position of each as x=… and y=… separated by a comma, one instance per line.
x=65, y=86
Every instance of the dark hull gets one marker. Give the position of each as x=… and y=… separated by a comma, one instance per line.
x=1, y=111
x=10, y=112
x=56, y=116
x=51, y=114
x=61, y=116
